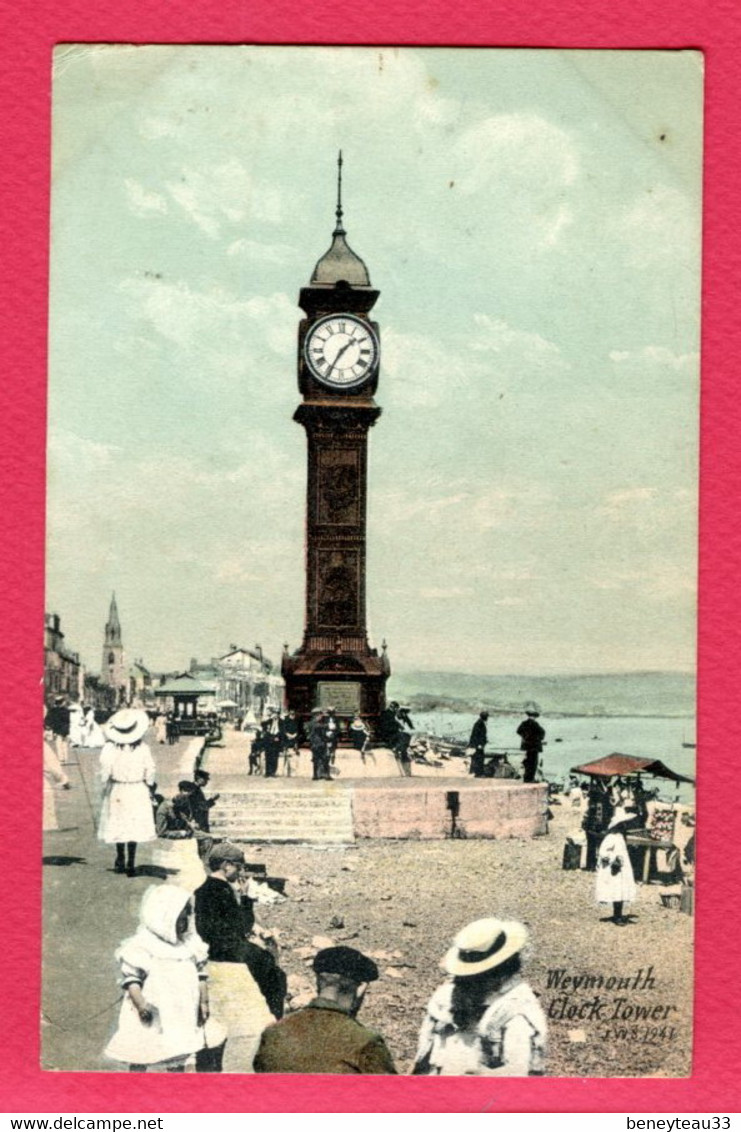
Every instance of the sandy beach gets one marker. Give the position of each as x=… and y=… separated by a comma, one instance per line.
x=404, y=901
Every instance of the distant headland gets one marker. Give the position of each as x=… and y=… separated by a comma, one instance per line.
x=650, y=694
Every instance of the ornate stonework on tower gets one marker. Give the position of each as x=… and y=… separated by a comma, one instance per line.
x=338, y=364
x=112, y=668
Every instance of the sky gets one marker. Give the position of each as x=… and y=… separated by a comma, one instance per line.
x=532, y=220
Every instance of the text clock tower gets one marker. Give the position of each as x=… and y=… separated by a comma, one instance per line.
x=338, y=363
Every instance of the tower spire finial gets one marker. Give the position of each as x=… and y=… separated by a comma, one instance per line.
x=339, y=230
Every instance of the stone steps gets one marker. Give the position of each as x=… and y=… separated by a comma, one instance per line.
x=319, y=814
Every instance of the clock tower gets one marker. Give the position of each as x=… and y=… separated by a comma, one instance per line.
x=338, y=365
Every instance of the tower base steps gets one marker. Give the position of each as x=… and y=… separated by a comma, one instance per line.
x=316, y=814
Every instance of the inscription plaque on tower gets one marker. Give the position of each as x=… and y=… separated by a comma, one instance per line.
x=344, y=697
x=338, y=365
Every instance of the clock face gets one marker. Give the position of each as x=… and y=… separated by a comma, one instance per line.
x=341, y=350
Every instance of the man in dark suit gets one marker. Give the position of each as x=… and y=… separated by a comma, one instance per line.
x=325, y=1037
x=271, y=742
x=56, y=720
x=391, y=733
x=531, y=736
x=317, y=736
x=289, y=729
x=478, y=741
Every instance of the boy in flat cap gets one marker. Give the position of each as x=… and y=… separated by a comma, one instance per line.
x=325, y=1036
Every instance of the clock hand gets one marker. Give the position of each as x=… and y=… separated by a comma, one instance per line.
x=340, y=352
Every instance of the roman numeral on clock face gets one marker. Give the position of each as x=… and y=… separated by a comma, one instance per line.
x=341, y=350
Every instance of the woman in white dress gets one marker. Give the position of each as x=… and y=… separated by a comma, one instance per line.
x=53, y=776
x=163, y=973
x=76, y=726
x=615, y=883
x=127, y=770
x=92, y=735
x=160, y=727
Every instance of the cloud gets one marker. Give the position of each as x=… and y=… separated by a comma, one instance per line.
x=142, y=201
x=443, y=593
x=400, y=506
x=493, y=508
x=225, y=194
x=427, y=371
x=256, y=252
x=231, y=570
x=553, y=227
x=657, y=356
x=471, y=509
x=79, y=452
x=617, y=500
x=507, y=147
x=660, y=226
x=400, y=85
x=496, y=335
x=653, y=513
x=658, y=581
x=186, y=316
x=154, y=127
x=525, y=166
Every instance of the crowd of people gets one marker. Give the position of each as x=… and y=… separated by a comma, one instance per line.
x=276, y=741
x=201, y=978
x=201, y=981
x=71, y=725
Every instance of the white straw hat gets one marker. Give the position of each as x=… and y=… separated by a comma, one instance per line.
x=483, y=945
x=128, y=725
x=620, y=815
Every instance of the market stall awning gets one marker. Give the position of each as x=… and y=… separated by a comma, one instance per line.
x=625, y=765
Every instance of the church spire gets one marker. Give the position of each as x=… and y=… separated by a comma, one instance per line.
x=113, y=625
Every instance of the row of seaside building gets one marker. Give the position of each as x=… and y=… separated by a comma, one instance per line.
x=244, y=679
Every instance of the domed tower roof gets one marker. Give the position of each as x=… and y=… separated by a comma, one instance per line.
x=340, y=263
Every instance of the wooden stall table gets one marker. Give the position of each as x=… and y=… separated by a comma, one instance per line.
x=643, y=840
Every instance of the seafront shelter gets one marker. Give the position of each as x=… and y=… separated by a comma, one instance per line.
x=185, y=691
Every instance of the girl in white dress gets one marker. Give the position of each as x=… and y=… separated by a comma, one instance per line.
x=163, y=973
x=485, y=1020
x=127, y=770
x=615, y=883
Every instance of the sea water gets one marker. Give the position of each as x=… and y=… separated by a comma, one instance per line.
x=575, y=740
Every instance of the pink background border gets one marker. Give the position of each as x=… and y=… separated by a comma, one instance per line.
x=28, y=39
